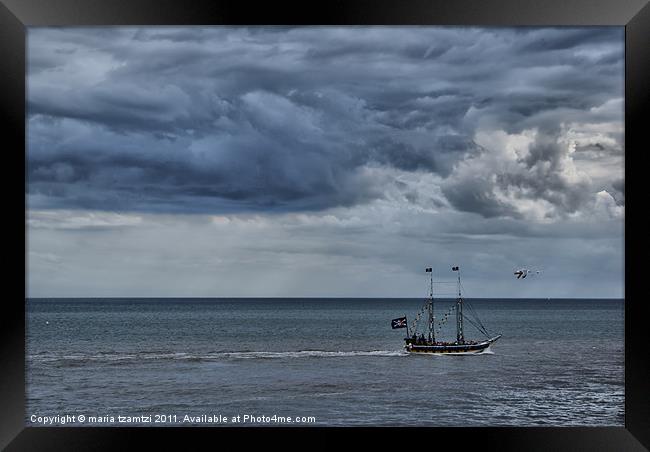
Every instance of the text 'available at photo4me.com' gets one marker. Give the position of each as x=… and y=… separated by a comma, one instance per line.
x=166, y=419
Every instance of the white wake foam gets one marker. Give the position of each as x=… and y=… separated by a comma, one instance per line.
x=112, y=357
x=314, y=354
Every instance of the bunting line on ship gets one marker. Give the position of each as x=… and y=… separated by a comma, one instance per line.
x=426, y=342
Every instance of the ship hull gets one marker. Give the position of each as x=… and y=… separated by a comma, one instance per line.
x=451, y=349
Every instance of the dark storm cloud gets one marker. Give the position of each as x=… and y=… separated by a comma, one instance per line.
x=225, y=119
x=618, y=191
x=548, y=39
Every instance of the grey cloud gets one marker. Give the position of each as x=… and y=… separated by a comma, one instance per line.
x=549, y=39
x=493, y=189
x=618, y=191
x=206, y=119
x=477, y=196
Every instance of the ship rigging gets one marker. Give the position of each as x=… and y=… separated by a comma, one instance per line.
x=427, y=341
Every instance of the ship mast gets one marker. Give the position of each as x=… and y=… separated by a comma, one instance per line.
x=459, y=311
x=432, y=336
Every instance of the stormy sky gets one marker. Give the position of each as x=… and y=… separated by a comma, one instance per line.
x=324, y=161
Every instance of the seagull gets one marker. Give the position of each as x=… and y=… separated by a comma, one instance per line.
x=522, y=273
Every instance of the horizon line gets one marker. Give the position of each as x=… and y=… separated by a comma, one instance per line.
x=321, y=298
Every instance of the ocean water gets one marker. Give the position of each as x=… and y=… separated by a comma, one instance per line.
x=329, y=362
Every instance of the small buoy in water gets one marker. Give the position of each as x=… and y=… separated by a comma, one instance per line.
x=47, y=322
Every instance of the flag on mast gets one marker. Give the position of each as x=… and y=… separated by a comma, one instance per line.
x=454, y=269
x=428, y=269
x=398, y=323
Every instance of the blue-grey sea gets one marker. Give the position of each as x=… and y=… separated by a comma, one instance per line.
x=327, y=362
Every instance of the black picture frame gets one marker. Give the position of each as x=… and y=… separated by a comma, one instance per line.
x=16, y=15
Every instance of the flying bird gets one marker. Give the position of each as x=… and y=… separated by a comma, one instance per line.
x=522, y=273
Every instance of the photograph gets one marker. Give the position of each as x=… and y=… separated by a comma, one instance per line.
x=325, y=226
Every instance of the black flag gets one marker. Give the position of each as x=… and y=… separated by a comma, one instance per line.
x=454, y=269
x=398, y=323
x=428, y=269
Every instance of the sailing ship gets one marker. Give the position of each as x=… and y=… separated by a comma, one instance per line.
x=427, y=342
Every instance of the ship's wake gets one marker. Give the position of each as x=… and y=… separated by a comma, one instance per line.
x=116, y=357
